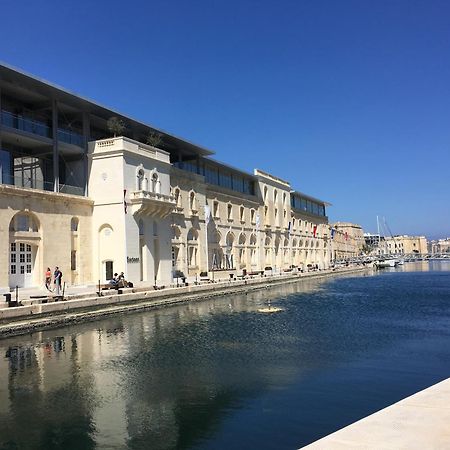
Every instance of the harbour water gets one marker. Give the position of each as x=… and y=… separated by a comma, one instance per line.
x=218, y=374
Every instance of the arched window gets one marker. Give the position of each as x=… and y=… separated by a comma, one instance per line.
x=230, y=211
x=176, y=232
x=253, y=239
x=23, y=222
x=265, y=193
x=242, y=239
x=275, y=196
x=177, y=198
x=155, y=181
x=192, y=202
x=140, y=179
x=74, y=224
x=192, y=235
x=241, y=213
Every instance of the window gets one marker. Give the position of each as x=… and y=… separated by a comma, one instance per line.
x=252, y=216
x=265, y=193
x=13, y=247
x=275, y=196
x=215, y=208
x=241, y=214
x=140, y=180
x=177, y=198
x=229, y=211
x=154, y=182
x=73, y=260
x=13, y=269
x=225, y=180
x=192, y=202
x=192, y=235
x=23, y=222
x=74, y=224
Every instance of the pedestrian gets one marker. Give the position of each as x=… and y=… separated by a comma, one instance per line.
x=57, y=279
x=48, y=278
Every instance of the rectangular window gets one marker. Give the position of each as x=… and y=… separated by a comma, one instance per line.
x=211, y=175
x=225, y=180
x=28, y=268
x=22, y=247
x=13, y=269
x=28, y=257
x=13, y=247
x=28, y=248
x=22, y=270
x=21, y=257
x=13, y=257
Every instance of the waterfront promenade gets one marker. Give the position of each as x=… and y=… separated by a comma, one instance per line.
x=83, y=304
x=421, y=421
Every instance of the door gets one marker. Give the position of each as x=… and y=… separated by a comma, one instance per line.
x=109, y=270
x=21, y=265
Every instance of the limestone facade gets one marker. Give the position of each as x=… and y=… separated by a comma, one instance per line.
x=41, y=229
x=72, y=196
x=405, y=245
x=348, y=240
x=440, y=246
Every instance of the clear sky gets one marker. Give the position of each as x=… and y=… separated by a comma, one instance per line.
x=348, y=100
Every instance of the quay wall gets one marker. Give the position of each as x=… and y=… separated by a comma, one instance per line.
x=37, y=316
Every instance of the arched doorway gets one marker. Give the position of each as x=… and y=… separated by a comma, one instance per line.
x=24, y=242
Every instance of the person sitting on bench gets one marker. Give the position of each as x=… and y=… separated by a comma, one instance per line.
x=114, y=282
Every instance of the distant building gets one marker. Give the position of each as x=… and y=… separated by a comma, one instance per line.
x=440, y=246
x=405, y=245
x=347, y=241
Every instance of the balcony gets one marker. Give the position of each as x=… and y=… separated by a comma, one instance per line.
x=30, y=183
x=38, y=128
x=152, y=203
x=25, y=124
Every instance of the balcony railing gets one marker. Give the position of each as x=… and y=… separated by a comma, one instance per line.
x=70, y=137
x=41, y=129
x=29, y=183
x=25, y=124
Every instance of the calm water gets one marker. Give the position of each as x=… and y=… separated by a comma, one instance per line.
x=220, y=375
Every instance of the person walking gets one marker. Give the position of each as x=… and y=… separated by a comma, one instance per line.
x=57, y=276
x=48, y=278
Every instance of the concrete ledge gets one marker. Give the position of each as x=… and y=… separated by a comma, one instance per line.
x=421, y=421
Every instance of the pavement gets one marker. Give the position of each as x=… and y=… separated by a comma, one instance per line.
x=419, y=422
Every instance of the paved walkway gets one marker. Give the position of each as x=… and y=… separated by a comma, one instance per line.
x=419, y=422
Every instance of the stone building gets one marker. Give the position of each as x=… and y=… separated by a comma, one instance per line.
x=73, y=196
x=439, y=246
x=405, y=245
x=347, y=240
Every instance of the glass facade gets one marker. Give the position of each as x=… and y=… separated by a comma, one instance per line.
x=219, y=176
x=310, y=206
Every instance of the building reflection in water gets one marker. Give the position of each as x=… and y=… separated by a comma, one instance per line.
x=161, y=377
x=171, y=377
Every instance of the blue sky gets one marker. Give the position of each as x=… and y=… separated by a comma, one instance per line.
x=348, y=100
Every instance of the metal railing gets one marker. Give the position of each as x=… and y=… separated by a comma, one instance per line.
x=30, y=183
x=25, y=124
x=41, y=129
